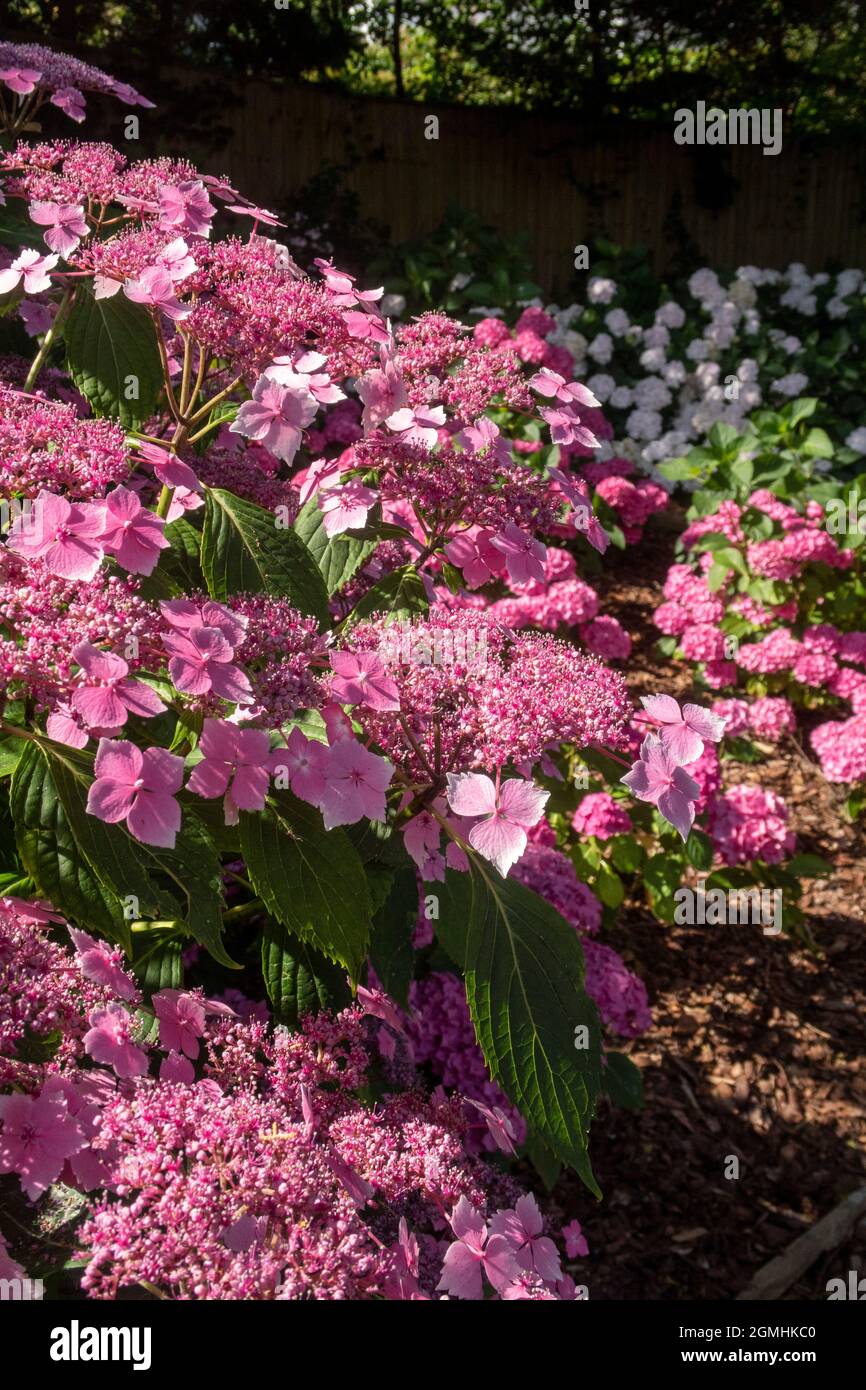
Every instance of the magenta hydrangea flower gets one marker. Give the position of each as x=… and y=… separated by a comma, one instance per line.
x=657, y=777
x=508, y=811
x=235, y=766
x=499, y=1125
x=474, y=553
x=598, y=814
x=183, y=614
x=421, y=836
x=345, y=508
x=71, y=102
x=110, y=1042
x=38, y=1136
x=382, y=391
x=137, y=786
x=417, y=425
x=306, y=371
x=178, y=1068
x=484, y=435
x=566, y=429
x=108, y=695
x=65, y=535
x=20, y=80
x=549, y=383
x=402, y=1280
x=64, y=726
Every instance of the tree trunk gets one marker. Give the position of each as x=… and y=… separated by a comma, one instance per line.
x=395, y=46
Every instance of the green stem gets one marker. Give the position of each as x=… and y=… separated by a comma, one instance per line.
x=212, y=425
x=48, y=340
x=214, y=401
x=164, y=502
x=15, y=731
x=235, y=914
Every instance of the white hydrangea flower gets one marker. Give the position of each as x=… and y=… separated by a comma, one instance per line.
x=601, y=348
x=644, y=424
x=618, y=321
x=674, y=373
x=704, y=286
x=653, y=359
x=652, y=394
x=742, y=293
x=848, y=282
x=576, y=344
x=698, y=350
x=600, y=290
x=657, y=337
x=670, y=315
x=794, y=384
x=707, y=374
x=601, y=385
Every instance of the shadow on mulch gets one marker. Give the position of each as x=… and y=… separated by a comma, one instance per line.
x=756, y=1052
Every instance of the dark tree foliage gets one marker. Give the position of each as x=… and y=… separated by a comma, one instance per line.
x=246, y=36
x=607, y=60
x=643, y=58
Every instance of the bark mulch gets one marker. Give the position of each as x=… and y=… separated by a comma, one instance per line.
x=756, y=1051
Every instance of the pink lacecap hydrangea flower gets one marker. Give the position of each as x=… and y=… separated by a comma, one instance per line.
x=110, y=1042
x=235, y=765
x=138, y=787
x=658, y=778
x=107, y=694
x=506, y=812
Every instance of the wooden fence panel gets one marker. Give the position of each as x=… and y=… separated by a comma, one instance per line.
x=550, y=177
